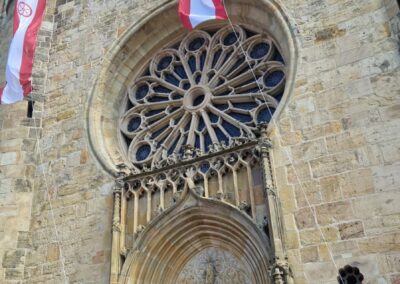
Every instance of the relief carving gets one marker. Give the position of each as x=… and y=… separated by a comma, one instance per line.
x=214, y=266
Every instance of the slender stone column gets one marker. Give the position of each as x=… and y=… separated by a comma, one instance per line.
x=280, y=271
x=116, y=231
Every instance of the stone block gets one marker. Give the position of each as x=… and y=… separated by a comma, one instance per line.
x=390, y=152
x=28, y=145
x=24, y=240
x=316, y=236
x=320, y=272
x=11, y=145
x=386, y=177
x=351, y=230
x=309, y=150
x=334, y=212
x=376, y=205
x=345, y=141
x=297, y=173
x=379, y=244
x=351, y=56
x=22, y=185
x=324, y=252
x=14, y=274
x=359, y=88
x=304, y=218
x=303, y=105
x=287, y=196
x=309, y=254
x=317, y=131
x=8, y=158
x=389, y=262
x=355, y=183
x=53, y=252
x=292, y=239
x=13, y=258
x=345, y=249
x=308, y=193
x=333, y=164
x=330, y=189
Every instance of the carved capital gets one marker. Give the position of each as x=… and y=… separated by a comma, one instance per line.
x=118, y=186
x=123, y=171
x=265, y=145
x=116, y=227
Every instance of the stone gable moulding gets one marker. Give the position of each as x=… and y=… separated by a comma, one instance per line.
x=194, y=224
x=139, y=43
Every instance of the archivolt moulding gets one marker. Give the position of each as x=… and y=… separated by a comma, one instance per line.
x=194, y=224
x=143, y=39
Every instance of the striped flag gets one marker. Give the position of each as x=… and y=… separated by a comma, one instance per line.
x=195, y=12
x=28, y=16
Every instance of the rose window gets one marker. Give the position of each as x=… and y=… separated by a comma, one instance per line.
x=204, y=92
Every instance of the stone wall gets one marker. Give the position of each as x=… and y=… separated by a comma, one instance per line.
x=6, y=17
x=17, y=169
x=340, y=128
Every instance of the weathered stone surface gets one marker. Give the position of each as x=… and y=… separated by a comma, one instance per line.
x=383, y=243
x=317, y=236
x=329, y=33
x=309, y=254
x=351, y=230
x=305, y=218
x=334, y=212
x=321, y=271
x=13, y=259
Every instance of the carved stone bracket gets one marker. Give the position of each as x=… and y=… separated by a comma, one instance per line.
x=280, y=272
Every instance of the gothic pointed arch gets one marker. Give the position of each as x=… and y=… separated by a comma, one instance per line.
x=220, y=241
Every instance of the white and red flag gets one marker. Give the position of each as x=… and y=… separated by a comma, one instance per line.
x=28, y=15
x=195, y=12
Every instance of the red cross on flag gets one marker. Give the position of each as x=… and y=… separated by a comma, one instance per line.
x=28, y=16
x=195, y=12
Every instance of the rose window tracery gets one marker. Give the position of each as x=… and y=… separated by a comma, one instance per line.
x=204, y=92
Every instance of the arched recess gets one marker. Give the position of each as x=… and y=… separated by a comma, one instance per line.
x=147, y=35
x=194, y=224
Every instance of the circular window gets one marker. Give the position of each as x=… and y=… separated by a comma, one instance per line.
x=208, y=89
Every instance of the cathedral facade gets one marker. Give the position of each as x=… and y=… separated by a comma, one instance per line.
x=259, y=149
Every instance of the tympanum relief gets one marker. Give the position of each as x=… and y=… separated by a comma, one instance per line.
x=214, y=266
